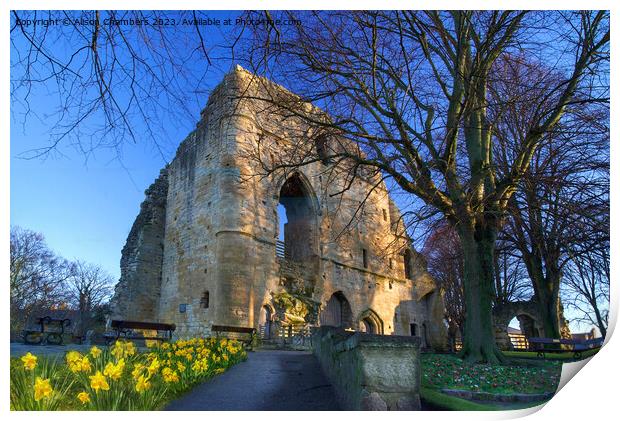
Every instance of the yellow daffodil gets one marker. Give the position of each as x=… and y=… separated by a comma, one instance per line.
x=200, y=365
x=181, y=367
x=98, y=381
x=85, y=365
x=142, y=384
x=83, y=397
x=114, y=371
x=75, y=361
x=117, y=350
x=73, y=357
x=137, y=370
x=169, y=375
x=154, y=367
x=30, y=361
x=42, y=389
x=95, y=352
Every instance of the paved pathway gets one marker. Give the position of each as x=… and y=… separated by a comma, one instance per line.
x=19, y=349
x=267, y=381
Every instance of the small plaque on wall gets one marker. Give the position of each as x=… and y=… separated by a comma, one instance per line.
x=182, y=308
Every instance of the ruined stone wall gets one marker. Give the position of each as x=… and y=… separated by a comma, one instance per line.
x=221, y=227
x=137, y=293
x=343, y=230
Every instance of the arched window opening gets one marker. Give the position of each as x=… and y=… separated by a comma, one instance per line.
x=337, y=312
x=413, y=329
x=297, y=221
x=204, y=300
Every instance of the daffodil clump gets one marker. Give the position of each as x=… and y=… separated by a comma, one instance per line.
x=119, y=377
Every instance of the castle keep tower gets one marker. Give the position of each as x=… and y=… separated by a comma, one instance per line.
x=215, y=244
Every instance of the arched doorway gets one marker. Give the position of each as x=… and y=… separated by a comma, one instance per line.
x=297, y=220
x=337, y=312
x=370, y=322
x=520, y=328
x=527, y=325
x=266, y=321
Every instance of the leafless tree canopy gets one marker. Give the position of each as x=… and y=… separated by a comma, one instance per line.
x=423, y=95
x=111, y=80
x=41, y=281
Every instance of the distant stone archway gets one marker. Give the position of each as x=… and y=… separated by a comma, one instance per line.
x=370, y=322
x=337, y=312
x=526, y=312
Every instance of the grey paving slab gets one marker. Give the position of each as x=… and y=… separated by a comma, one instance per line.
x=19, y=349
x=267, y=381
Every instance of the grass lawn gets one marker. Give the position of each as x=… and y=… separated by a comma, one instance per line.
x=441, y=371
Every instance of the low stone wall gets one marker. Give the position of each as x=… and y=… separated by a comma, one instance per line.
x=370, y=372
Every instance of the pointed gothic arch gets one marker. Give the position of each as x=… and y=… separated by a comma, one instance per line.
x=298, y=206
x=370, y=322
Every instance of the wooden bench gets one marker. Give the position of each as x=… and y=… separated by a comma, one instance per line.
x=124, y=329
x=218, y=329
x=550, y=345
x=50, y=331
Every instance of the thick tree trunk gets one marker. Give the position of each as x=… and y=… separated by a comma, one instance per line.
x=548, y=306
x=479, y=343
x=546, y=291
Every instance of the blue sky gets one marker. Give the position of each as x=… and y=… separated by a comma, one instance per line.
x=85, y=206
x=85, y=210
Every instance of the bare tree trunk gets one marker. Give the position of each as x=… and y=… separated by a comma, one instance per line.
x=546, y=291
x=478, y=248
x=599, y=319
x=548, y=302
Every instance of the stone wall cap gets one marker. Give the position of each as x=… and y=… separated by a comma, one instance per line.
x=345, y=339
x=396, y=341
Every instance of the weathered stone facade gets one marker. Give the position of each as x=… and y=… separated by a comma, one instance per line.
x=203, y=248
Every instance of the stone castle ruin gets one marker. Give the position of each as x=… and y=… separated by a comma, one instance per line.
x=216, y=244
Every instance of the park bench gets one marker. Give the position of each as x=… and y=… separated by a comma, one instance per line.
x=250, y=331
x=125, y=329
x=550, y=345
x=50, y=331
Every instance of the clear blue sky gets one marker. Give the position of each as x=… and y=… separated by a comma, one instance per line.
x=85, y=208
